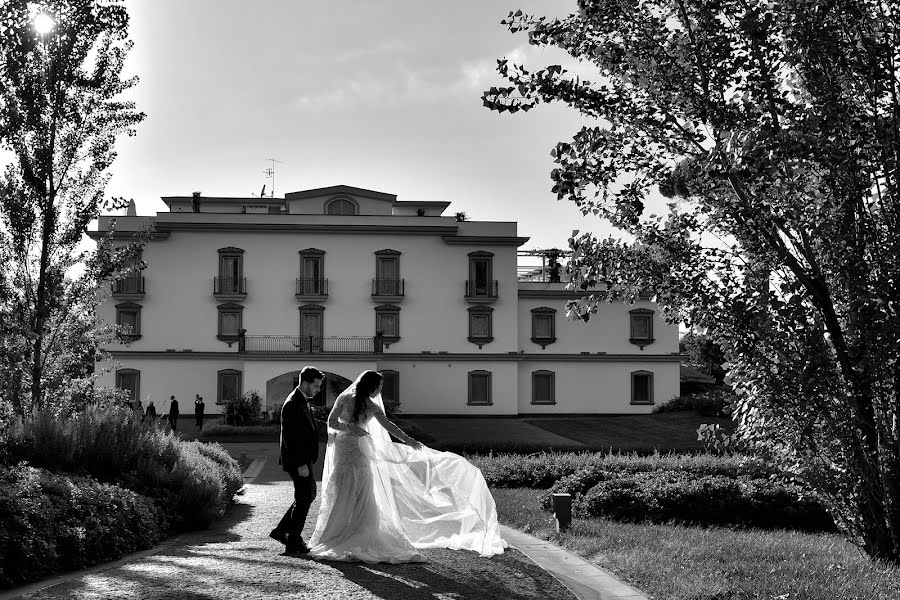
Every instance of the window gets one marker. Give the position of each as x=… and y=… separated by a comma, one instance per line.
x=481, y=269
x=230, y=322
x=480, y=388
x=641, y=326
x=543, y=387
x=128, y=318
x=641, y=387
x=481, y=327
x=543, y=326
x=390, y=387
x=387, y=273
x=312, y=317
x=387, y=321
x=231, y=271
x=129, y=380
x=229, y=387
x=341, y=206
x=312, y=273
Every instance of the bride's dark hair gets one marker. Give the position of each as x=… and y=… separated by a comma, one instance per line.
x=367, y=383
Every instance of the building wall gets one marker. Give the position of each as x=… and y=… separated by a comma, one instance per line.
x=441, y=387
x=596, y=386
x=607, y=331
x=179, y=309
x=182, y=377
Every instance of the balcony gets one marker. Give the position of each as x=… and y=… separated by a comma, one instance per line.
x=286, y=344
x=482, y=291
x=311, y=289
x=230, y=288
x=128, y=287
x=388, y=290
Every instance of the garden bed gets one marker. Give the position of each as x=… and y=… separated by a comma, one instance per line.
x=101, y=484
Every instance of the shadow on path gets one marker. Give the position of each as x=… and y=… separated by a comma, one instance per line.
x=457, y=575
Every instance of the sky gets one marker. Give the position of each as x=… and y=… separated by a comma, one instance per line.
x=383, y=95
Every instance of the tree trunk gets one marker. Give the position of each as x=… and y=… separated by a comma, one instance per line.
x=37, y=356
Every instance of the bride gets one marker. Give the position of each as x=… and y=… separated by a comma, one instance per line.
x=383, y=502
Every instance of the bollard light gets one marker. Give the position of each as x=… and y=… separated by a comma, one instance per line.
x=243, y=460
x=562, y=509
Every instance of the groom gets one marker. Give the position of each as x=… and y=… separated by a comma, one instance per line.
x=299, y=450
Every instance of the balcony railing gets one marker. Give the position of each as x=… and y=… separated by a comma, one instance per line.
x=482, y=289
x=311, y=287
x=230, y=286
x=388, y=287
x=128, y=285
x=281, y=344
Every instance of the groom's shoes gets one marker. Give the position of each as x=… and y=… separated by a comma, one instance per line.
x=280, y=536
x=296, y=548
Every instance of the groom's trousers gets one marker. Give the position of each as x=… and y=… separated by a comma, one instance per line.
x=304, y=493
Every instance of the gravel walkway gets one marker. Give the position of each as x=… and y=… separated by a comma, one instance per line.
x=236, y=559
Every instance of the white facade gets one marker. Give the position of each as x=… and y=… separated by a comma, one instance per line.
x=187, y=342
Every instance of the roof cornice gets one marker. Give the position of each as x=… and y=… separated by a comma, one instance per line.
x=308, y=227
x=484, y=240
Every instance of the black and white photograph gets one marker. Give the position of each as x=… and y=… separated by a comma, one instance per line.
x=408, y=300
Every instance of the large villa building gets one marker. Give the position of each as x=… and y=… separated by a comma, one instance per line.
x=240, y=293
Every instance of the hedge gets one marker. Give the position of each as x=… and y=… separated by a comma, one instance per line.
x=688, y=497
x=541, y=470
x=191, y=482
x=51, y=522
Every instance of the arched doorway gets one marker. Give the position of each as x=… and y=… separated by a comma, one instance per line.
x=278, y=388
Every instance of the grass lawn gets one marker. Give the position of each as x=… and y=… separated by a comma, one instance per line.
x=665, y=431
x=671, y=562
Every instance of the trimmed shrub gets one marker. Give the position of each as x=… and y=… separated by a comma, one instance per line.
x=541, y=470
x=715, y=402
x=230, y=469
x=113, y=446
x=50, y=523
x=686, y=497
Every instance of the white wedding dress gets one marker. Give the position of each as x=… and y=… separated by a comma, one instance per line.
x=383, y=502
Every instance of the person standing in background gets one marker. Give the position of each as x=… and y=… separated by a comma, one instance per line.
x=173, y=413
x=199, y=407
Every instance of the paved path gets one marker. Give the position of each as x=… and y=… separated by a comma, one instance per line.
x=236, y=559
x=585, y=579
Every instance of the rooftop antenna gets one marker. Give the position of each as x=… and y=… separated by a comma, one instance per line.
x=270, y=172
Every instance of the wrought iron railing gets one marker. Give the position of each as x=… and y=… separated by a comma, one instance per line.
x=229, y=285
x=279, y=344
x=312, y=287
x=482, y=289
x=128, y=285
x=388, y=287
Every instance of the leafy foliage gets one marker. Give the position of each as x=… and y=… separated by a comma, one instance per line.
x=61, y=112
x=193, y=483
x=716, y=402
x=543, y=469
x=696, y=494
x=245, y=410
x=704, y=354
x=51, y=522
x=775, y=128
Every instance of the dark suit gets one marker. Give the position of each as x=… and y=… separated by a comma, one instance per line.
x=173, y=414
x=299, y=446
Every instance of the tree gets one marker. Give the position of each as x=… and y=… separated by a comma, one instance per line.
x=776, y=126
x=704, y=354
x=60, y=114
